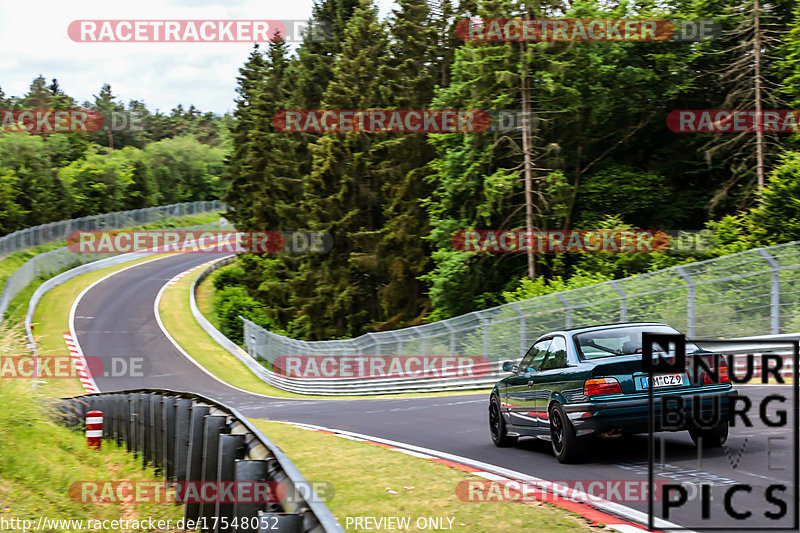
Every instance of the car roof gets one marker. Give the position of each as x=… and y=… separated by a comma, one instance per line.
x=574, y=331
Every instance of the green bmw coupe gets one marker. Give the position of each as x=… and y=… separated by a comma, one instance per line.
x=577, y=384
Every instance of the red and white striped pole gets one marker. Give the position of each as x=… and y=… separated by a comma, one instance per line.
x=94, y=429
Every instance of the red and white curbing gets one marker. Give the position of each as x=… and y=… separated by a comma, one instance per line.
x=86, y=380
x=177, y=278
x=582, y=509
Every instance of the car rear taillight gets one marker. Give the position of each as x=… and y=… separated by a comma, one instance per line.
x=723, y=373
x=593, y=387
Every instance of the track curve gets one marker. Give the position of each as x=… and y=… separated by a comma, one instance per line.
x=116, y=317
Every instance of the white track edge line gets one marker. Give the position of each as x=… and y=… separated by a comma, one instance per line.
x=607, y=506
x=74, y=307
x=192, y=359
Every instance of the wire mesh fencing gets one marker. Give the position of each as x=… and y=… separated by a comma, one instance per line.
x=49, y=263
x=58, y=231
x=749, y=293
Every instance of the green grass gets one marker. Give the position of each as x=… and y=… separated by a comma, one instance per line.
x=360, y=474
x=179, y=322
x=40, y=460
x=204, y=295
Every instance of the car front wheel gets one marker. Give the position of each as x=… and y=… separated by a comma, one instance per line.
x=567, y=446
x=497, y=426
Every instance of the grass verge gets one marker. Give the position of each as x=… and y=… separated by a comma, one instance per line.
x=40, y=460
x=362, y=475
x=204, y=295
x=179, y=322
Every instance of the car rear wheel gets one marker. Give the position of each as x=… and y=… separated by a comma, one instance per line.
x=497, y=426
x=567, y=446
x=711, y=438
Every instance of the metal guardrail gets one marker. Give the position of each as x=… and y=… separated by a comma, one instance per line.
x=49, y=263
x=188, y=437
x=505, y=332
x=332, y=387
x=58, y=231
x=749, y=293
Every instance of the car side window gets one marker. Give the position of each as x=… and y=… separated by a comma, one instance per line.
x=533, y=359
x=556, y=354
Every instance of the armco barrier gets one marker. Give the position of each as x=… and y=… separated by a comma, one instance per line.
x=189, y=437
x=327, y=386
x=489, y=374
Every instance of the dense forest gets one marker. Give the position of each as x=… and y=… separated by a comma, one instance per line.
x=165, y=158
x=601, y=156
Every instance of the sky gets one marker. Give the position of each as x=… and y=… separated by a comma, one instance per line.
x=34, y=40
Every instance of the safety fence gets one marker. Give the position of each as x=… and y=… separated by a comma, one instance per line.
x=756, y=292
x=192, y=439
x=54, y=261
x=58, y=231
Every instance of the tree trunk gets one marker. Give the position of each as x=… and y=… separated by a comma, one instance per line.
x=759, y=119
x=526, y=154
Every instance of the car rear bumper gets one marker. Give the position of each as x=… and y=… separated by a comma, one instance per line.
x=684, y=410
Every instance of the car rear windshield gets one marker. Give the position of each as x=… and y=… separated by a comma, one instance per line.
x=624, y=340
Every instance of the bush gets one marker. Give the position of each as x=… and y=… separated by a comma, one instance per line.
x=232, y=302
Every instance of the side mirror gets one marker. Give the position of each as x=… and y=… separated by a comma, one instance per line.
x=508, y=366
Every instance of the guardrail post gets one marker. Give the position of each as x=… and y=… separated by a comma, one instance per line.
x=775, y=292
x=168, y=436
x=485, y=325
x=254, y=472
x=133, y=426
x=109, y=408
x=157, y=418
x=690, y=301
x=183, y=415
x=213, y=427
x=147, y=429
x=623, y=301
x=567, y=309
x=194, y=461
x=120, y=424
x=523, y=343
x=231, y=448
x=452, y=338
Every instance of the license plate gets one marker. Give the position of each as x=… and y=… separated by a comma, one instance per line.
x=662, y=380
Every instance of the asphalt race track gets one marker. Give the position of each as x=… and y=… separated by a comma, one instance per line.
x=116, y=318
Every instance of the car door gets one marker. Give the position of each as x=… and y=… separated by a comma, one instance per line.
x=550, y=378
x=520, y=395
